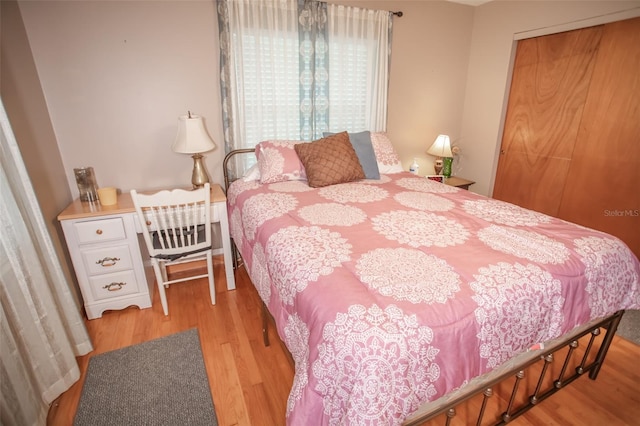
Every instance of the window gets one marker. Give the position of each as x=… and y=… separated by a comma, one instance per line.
x=292, y=70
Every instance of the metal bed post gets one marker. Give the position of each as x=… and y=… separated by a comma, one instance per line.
x=228, y=180
x=604, y=347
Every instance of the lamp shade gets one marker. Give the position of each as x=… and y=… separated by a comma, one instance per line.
x=441, y=147
x=192, y=137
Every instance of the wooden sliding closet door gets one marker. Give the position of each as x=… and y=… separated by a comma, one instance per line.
x=549, y=88
x=571, y=144
x=604, y=187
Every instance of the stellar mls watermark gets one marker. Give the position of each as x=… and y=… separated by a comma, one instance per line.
x=622, y=213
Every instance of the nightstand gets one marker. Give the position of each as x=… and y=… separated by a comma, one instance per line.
x=459, y=182
x=110, y=263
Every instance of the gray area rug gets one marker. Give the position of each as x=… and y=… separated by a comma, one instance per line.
x=629, y=327
x=160, y=382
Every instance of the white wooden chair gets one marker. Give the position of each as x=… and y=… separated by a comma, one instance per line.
x=176, y=226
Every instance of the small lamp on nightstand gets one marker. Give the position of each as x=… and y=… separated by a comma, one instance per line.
x=192, y=138
x=441, y=148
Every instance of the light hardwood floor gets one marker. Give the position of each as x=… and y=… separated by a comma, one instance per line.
x=250, y=382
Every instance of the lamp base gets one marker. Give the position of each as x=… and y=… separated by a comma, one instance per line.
x=437, y=166
x=199, y=176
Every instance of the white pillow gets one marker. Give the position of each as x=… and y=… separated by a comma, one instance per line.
x=386, y=155
x=252, y=174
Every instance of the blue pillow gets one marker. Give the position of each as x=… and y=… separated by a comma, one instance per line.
x=361, y=143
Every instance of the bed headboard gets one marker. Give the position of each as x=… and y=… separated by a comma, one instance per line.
x=230, y=169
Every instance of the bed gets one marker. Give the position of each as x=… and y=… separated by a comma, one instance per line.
x=400, y=297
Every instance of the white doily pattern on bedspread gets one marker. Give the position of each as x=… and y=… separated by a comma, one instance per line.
x=392, y=373
x=263, y=207
x=334, y=214
x=424, y=201
x=407, y=274
x=597, y=251
x=504, y=213
x=259, y=273
x=525, y=244
x=353, y=193
x=296, y=335
x=300, y=254
x=418, y=229
x=517, y=305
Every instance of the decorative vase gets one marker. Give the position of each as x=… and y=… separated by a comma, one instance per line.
x=446, y=166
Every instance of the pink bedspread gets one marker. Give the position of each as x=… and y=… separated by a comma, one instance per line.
x=394, y=292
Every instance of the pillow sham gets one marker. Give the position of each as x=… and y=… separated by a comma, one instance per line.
x=361, y=143
x=386, y=155
x=330, y=160
x=278, y=161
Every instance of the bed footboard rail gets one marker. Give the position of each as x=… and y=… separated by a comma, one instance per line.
x=552, y=377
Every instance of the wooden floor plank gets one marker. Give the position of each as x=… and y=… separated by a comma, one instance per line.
x=234, y=400
x=250, y=382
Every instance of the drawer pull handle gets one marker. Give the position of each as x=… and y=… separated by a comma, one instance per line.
x=114, y=286
x=148, y=223
x=99, y=231
x=108, y=261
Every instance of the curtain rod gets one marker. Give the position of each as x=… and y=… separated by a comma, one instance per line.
x=398, y=14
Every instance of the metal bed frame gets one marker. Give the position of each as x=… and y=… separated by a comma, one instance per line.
x=588, y=361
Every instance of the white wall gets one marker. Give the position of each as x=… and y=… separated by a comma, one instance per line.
x=428, y=72
x=117, y=74
x=495, y=26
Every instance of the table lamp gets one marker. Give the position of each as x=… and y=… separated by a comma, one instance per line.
x=441, y=148
x=192, y=138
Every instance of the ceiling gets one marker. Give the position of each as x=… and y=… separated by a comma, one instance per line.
x=471, y=2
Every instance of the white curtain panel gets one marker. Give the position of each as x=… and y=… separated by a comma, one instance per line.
x=359, y=52
x=42, y=330
x=262, y=57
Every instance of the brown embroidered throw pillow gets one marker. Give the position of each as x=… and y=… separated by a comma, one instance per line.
x=330, y=160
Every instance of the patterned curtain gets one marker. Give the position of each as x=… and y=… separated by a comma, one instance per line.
x=293, y=69
x=314, y=69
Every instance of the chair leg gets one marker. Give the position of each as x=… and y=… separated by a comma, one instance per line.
x=212, y=284
x=165, y=277
x=159, y=279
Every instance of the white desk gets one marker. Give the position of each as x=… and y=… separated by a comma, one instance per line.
x=108, y=257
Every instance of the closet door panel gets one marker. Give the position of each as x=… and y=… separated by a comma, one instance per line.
x=604, y=187
x=549, y=88
x=532, y=181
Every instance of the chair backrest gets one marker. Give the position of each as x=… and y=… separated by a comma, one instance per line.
x=175, y=222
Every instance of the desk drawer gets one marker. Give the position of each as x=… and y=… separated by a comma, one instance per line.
x=113, y=285
x=107, y=260
x=95, y=231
